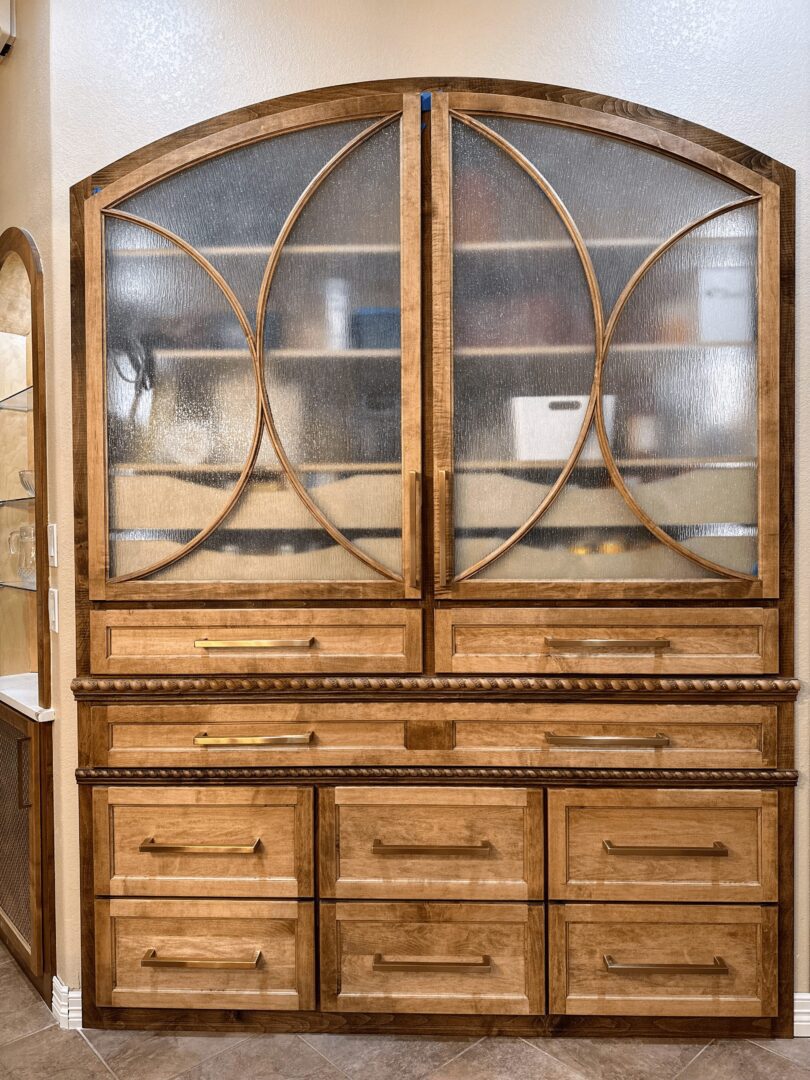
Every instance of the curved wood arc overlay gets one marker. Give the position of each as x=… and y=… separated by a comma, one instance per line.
x=596, y=301
x=264, y=292
x=253, y=452
x=601, y=432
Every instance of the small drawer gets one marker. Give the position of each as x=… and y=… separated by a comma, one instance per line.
x=431, y=843
x=200, y=842
x=276, y=733
x=629, y=735
x=205, y=954
x=432, y=958
x=610, y=844
x=655, y=641
x=662, y=960
x=211, y=641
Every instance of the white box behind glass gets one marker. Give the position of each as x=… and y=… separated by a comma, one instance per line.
x=546, y=428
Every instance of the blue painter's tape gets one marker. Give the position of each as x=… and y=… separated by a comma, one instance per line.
x=426, y=96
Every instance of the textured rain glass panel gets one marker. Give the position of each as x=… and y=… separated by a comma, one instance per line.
x=181, y=398
x=523, y=345
x=332, y=349
x=232, y=207
x=271, y=536
x=590, y=534
x=624, y=198
x=683, y=372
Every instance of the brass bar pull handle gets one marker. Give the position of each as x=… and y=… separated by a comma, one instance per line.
x=717, y=967
x=445, y=528
x=22, y=802
x=415, y=496
x=150, y=844
x=484, y=849
x=204, y=739
x=151, y=959
x=593, y=644
x=608, y=741
x=479, y=967
x=257, y=643
x=716, y=851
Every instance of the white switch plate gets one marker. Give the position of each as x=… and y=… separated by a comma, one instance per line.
x=53, y=610
x=53, y=545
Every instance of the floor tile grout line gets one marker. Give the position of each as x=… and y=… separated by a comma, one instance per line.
x=546, y=1053
x=777, y=1053
x=692, y=1061
x=202, y=1061
x=325, y=1057
x=98, y=1055
x=455, y=1057
x=19, y=1038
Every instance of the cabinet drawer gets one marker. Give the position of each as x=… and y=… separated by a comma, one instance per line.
x=237, y=841
x=656, y=641
x=662, y=960
x=210, y=642
x=662, y=845
x=309, y=733
x=431, y=843
x=432, y=958
x=205, y=954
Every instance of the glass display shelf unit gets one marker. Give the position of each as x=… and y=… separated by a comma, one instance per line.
x=21, y=401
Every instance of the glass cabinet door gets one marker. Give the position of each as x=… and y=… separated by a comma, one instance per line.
x=604, y=364
x=259, y=330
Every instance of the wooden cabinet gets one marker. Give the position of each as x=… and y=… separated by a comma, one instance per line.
x=435, y=569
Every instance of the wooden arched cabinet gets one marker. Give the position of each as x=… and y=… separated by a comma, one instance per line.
x=434, y=446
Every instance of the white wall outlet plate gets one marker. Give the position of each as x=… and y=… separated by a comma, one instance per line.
x=53, y=545
x=53, y=610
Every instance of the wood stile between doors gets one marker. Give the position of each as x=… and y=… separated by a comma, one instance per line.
x=437, y=765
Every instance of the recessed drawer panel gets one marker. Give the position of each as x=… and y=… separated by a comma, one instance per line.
x=615, y=844
x=662, y=960
x=205, y=954
x=237, y=841
x=432, y=958
x=209, y=641
x=431, y=843
x=656, y=641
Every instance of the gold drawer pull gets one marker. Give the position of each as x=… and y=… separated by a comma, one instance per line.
x=204, y=739
x=717, y=850
x=479, y=967
x=149, y=844
x=606, y=741
x=258, y=643
x=484, y=849
x=717, y=967
x=151, y=959
x=591, y=644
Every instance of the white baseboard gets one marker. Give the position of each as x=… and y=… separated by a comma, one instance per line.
x=67, y=1008
x=66, y=1005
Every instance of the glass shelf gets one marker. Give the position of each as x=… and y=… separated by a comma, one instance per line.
x=517, y=351
x=24, y=586
x=279, y=354
x=262, y=250
x=18, y=502
x=22, y=401
x=483, y=246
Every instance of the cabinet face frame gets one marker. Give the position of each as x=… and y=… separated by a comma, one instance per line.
x=371, y=106
x=767, y=193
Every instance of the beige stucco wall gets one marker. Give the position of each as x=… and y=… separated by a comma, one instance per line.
x=125, y=72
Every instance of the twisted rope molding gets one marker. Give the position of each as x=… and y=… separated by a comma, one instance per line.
x=437, y=683
x=658, y=777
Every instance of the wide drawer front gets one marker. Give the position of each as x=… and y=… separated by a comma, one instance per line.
x=431, y=843
x=610, y=844
x=209, y=641
x=432, y=958
x=205, y=954
x=662, y=960
x=237, y=841
x=607, y=640
x=465, y=733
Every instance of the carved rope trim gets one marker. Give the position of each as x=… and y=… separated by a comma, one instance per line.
x=476, y=684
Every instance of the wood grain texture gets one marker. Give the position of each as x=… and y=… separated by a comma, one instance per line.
x=744, y=823
x=682, y=640
x=373, y=829
x=205, y=930
x=581, y=935
x=278, y=822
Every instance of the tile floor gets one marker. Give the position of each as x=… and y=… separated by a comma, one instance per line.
x=33, y=1048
